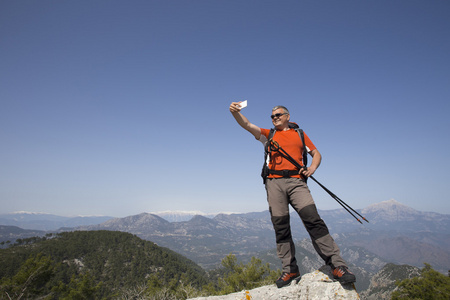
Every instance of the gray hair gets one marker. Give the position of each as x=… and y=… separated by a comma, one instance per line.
x=281, y=107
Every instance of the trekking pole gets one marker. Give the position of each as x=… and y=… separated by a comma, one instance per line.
x=274, y=146
x=341, y=202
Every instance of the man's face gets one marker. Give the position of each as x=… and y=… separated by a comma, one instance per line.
x=280, y=118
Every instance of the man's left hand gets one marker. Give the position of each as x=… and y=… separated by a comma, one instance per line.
x=307, y=171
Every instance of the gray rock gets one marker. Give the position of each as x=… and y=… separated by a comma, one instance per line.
x=317, y=285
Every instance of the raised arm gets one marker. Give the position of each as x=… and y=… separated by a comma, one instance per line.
x=235, y=110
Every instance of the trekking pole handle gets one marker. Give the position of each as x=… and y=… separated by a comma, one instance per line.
x=273, y=145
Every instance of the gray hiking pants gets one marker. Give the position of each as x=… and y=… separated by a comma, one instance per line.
x=282, y=192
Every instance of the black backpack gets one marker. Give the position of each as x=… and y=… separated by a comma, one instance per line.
x=265, y=168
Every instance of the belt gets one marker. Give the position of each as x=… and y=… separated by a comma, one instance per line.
x=284, y=173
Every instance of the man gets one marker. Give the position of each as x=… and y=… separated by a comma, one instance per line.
x=285, y=186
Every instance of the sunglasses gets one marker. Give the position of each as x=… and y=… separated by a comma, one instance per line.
x=277, y=115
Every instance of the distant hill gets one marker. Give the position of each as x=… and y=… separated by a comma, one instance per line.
x=117, y=260
x=181, y=216
x=48, y=222
x=9, y=234
x=389, y=215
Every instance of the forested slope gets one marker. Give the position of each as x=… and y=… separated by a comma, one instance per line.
x=107, y=262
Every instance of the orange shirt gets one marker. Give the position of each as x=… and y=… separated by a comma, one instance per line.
x=291, y=142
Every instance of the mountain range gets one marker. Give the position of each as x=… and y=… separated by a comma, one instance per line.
x=394, y=230
x=396, y=234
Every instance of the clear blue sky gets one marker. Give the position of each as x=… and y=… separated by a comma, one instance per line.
x=121, y=107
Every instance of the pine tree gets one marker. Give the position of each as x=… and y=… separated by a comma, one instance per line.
x=239, y=276
x=430, y=285
x=30, y=280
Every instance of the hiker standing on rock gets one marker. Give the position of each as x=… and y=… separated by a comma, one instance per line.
x=286, y=185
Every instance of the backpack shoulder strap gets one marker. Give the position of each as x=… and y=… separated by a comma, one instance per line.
x=265, y=168
x=305, y=152
x=266, y=146
x=271, y=133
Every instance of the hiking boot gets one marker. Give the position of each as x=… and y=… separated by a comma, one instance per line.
x=287, y=278
x=343, y=275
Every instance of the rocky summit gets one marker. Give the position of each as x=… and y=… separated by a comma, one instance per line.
x=317, y=285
